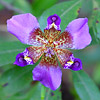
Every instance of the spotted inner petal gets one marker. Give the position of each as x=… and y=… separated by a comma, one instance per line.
x=35, y=52
x=37, y=37
x=64, y=40
x=63, y=55
x=51, y=34
x=49, y=60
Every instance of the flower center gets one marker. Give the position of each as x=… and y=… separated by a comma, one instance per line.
x=49, y=52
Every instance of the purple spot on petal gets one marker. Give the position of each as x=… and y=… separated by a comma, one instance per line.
x=77, y=63
x=54, y=18
x=21, y=59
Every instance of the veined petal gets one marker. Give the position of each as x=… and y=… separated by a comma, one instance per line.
x=76, y=35
x=23, y=59
x=63, y=55
x=35, y=52
x=79, y=30
x=48, y=72
x=26, y=28
x=51, y=34
x=64, y=40
x=73, y=64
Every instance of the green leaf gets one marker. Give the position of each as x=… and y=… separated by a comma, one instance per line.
x=97, y=23
x=66, y=10
x=96, y=26
x=97, y=2
x=16, y=79
x=96, y=74
x=9, y=1
x=88, y=55
x=32, y=94
x=1, y=93
x=94, y=22
x=41, y=5
x=85, y=87
x=23, y=5
x=9, y=50
x=86, y=9
x=53, y=95
x=93, y=35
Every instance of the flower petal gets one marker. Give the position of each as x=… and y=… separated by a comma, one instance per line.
x=76, y=35
x=64, y=40
x=48, y=72
x=53, y=27
x=63, y=55
x=73, y=64
x=26, y=28
x=30, y=56
x=79, y=30
x=35, y=52
x=23, y=59
x=53, y=21
x=51, y=34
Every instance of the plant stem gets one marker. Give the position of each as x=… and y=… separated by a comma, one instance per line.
x=47, y=96
x=43, y=89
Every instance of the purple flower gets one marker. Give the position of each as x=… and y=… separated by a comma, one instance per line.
x=50, y=45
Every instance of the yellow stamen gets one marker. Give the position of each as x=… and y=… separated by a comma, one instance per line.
x=26, y=57
x=70, y=62
x=53, y=24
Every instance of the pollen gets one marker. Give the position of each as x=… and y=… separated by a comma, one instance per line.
x=27, y=58
x=53, y=25
x=70, y=62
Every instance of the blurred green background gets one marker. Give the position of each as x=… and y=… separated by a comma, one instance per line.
x=16, y=83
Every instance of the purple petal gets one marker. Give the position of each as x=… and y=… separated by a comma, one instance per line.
x=22, y=59
x=22, y=25
x=79, y=31
x=49, y=77
x=74, y=64
x=77, y=65
x=48, y=72
x=53, y=20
